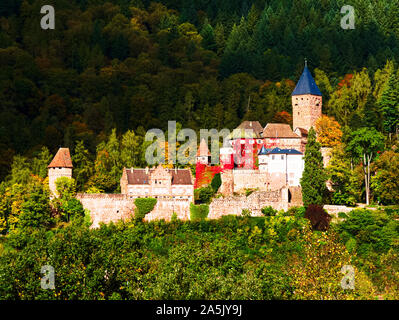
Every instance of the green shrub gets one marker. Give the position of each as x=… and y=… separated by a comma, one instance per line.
x=269, y=211
x=342, y=215
x=198, y=212
x=143, y=206
x=246, y=213
x=345, y=199
x=298, y=212
x=71, y=209
x=248, y=192
x=216, y=182
x=204, y=195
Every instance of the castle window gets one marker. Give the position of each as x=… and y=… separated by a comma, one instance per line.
x=282, y=157
x=272, y=157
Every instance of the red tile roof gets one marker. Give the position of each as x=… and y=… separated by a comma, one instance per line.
x=62, y=159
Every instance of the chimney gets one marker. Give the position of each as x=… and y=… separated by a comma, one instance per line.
x=146, y=170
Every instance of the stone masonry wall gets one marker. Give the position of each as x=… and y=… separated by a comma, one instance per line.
x=107, y=208
x=165, y=207
x=233, y=205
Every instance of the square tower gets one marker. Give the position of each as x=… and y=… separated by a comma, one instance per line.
x=306, y=102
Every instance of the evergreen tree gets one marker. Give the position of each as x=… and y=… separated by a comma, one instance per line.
x=82, y=165
x=314, y=177
x=208, y=37
x=389, y=104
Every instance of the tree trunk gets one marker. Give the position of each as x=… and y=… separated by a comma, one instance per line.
x=366, y=178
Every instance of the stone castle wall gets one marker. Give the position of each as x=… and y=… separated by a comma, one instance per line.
x=165, y=208
x=233, y=204
x=239, y=180
x=107, y=208
x=249, y=179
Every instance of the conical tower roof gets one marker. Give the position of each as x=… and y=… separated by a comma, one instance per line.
x=62, y=159
x=262, y=151
x=306, y=84
x=203, y=150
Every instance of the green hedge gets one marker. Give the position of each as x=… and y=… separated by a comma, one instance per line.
x=144, y=206
x=198, y=212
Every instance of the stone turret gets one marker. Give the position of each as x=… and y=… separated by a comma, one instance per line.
x=203, y=153
x=306, y=102
x=61, y=166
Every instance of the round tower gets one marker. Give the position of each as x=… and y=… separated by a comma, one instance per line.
x=61, y=166
x=262, y=158
x=306, y=102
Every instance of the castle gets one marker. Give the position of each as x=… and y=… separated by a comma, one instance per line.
x=268, y=160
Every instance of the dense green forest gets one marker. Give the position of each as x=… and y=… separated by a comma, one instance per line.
x=133, y=65
x=272, y=257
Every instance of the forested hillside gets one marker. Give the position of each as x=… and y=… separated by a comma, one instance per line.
x=133, y=65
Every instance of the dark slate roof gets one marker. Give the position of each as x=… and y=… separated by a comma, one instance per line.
x=284, y=151
x=306, y=85
x=139, y=176
x=62, y=159
x=263, y=151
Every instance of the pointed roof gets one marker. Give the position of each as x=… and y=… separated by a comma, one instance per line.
x=306, y=84
x=263, y=151
x=203, y=150
x=254, y=126
x=62, y=159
